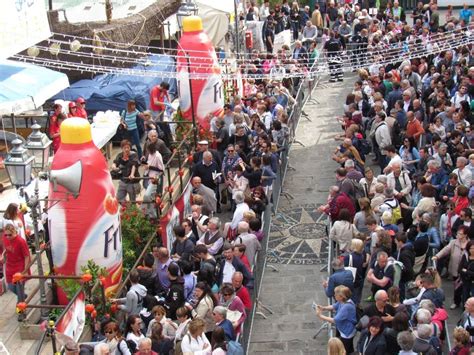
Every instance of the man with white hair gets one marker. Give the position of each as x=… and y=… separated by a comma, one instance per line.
x=381, y=308
x=219, y=314
x=310, y=32
x=153, y=137
x=422, y=342
x=412, y=77
x=208, y=170
x=144, y=347
x=252, y=245
x=212, y=238
x=406, y=341
x=208, y=195
x=400, y=182
x=464, y=174
x=240, y=208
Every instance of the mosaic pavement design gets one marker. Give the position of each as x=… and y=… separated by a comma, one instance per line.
x=298, y=236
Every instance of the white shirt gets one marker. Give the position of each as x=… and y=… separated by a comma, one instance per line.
x=240, y=209
x=464, y=176
x=229, y=270
x=195, y=345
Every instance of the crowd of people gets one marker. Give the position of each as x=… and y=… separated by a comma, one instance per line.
x=195, y=295
x=400, y=210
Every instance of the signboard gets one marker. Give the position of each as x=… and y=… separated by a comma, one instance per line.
x=180, y=211
x=72, y=323
x=23, y=23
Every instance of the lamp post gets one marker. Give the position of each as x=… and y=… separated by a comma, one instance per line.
x=19, y=164
x=38, y=144
x=34, y=204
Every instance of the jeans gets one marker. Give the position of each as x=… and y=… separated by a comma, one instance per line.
x=135, y=137
x=18, y=289
x=295, y=28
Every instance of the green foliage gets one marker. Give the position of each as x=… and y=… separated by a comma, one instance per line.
x=70, y=287
x=95, y=270
x=136, y=229
x=54, y=314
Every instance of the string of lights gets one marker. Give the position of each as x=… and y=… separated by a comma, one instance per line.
x=321, y=66
x=141, y=49
x=388, y=54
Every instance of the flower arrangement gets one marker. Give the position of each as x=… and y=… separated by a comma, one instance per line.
x=136, y=229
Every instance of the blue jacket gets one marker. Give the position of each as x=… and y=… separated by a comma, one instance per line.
x=345, y=317
x=226, y=325
x=339, y=277
x=435, y=241
x=439, y=179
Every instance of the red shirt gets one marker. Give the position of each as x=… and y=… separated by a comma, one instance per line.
x=156, y=94
x=244, y=295
x=81, y=112
x=245, y=261
x=16, y=250
x=460, y=203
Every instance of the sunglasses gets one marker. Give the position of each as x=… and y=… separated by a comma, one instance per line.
x=8, y=235
x=110, y=332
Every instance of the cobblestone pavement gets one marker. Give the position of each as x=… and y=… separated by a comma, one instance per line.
x=297, y=234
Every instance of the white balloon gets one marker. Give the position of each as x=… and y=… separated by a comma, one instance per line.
x=54, y=48
x=33, y=51
x=75, y=45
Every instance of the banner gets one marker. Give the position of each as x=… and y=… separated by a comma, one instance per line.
x=24, y=23
x=180, y=211
x=72, y=323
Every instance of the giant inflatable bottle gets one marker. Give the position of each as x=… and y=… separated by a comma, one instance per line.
x=87, y=225
x=196, y=56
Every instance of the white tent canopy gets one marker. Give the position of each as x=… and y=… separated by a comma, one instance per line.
x=215, y=19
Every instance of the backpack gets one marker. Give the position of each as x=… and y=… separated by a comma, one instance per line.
x=234, y=348
x=364, y=146
x=359, y=190
x=396, y=212
x=436, y=344
x=397, y=270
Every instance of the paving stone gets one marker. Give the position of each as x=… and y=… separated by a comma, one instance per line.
x=291, y=291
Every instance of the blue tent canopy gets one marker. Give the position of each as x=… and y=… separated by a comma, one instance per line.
x=112, y=91
x=25, y=87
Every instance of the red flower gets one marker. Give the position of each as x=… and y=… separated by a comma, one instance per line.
x=90, y=308
x=86, y=277
x=158, y=200
x=21, y=306
x=180, y=172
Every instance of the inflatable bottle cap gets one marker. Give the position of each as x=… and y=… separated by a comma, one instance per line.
x=75, y=130
x=192, y=24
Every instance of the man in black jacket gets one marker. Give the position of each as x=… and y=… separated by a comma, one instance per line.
x=175, y=296
x=182, y=248
x=465, y=219
x=405, y=255
x=230, y=264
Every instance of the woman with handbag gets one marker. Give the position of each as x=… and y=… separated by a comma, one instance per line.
x=343, y=231
x=204, y=306
x=357, y=259
x=129, y=121
x=455, y=249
